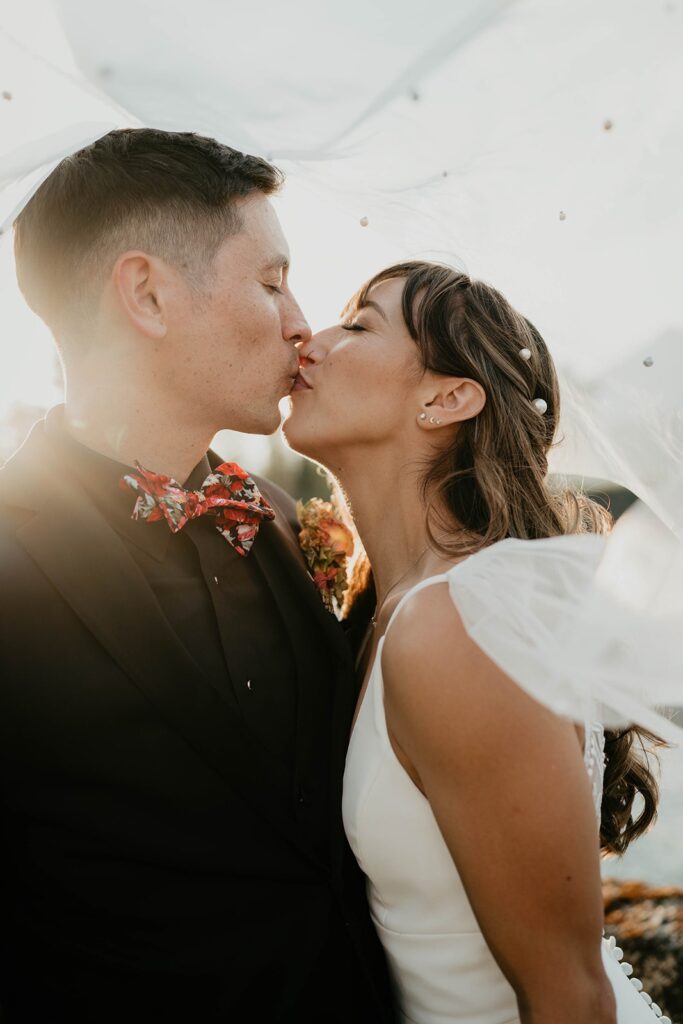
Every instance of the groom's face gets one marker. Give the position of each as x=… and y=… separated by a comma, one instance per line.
x=234, y=351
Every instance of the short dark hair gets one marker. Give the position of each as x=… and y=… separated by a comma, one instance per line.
x=171, y=194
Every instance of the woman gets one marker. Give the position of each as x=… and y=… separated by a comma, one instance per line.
x=474, y=803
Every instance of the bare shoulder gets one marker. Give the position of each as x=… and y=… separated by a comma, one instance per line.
x=428, y=643
x=427, y=623
x=441, y=687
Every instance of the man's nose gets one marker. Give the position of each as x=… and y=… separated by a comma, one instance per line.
x=295, y=328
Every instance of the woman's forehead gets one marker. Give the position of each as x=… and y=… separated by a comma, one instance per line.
x=386, y=298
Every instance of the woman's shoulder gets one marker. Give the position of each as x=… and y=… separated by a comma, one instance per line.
x=509, y=612
x=424, y=643
x=442, y=690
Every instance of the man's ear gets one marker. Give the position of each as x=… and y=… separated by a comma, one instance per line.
x=451, y=400
x=138, y=282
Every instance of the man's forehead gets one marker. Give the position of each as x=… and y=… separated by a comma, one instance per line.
x=262, y=231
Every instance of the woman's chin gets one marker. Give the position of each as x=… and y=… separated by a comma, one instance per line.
x=297, y=435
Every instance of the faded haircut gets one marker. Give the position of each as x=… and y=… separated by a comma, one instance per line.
x=170, y=194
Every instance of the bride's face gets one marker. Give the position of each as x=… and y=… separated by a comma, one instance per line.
x=359, y=380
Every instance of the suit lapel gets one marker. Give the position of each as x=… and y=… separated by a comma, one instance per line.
x=292, y=560
x=296, y=595
x=89, y=565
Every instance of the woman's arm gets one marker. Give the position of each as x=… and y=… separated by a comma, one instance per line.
x=506, y=782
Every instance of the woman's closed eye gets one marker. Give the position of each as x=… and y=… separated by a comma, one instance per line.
x=353, y=327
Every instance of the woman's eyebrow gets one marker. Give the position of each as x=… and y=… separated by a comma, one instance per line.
x=376, y=306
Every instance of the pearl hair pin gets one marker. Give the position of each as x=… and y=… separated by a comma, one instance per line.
x=539, y=404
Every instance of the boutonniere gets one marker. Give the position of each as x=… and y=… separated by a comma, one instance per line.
x=327, y=544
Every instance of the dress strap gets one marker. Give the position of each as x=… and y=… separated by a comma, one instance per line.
x=441, y=578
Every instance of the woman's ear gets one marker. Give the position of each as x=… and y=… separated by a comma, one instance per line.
x=138, y=285
x=452, y=400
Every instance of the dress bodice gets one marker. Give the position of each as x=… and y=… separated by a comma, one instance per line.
x=442, y=967
x=438, y=957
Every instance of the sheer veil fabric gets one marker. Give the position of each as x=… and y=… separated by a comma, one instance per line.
x=538, y=144
x=583, y=623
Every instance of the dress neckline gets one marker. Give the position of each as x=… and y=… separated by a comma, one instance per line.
x=441, y=577
x=377, y=660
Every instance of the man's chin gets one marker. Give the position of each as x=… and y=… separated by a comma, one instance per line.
x=260, y=422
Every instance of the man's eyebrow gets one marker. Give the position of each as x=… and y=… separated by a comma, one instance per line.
x=376, y=306
x=278, y=262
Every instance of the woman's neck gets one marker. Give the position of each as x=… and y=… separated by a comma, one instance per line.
x=390, y=515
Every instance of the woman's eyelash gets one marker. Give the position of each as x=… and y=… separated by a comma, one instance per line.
x=353, y=327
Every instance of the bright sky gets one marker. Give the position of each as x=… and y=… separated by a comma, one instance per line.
x=555, y=177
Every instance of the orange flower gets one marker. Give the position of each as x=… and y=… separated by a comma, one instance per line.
x=338, y=536
x=327, y=544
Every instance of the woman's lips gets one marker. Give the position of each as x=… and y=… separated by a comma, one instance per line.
x=301, y=384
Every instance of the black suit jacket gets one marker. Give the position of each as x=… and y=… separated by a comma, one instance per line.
x=156, y=864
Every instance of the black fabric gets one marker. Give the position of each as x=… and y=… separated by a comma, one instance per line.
x=198, y=580
x=172, y=845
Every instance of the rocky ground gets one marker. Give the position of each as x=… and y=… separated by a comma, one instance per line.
x=646, y=916
x=647, y=923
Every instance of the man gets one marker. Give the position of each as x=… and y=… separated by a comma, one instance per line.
x=175, y=702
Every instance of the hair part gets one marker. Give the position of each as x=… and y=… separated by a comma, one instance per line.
x=174, y=195
x=492, y=481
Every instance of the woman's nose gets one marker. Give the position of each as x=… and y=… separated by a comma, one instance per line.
x=315, y=349
x=311, y=350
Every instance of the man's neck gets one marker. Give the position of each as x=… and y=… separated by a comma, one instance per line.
x=131, y=429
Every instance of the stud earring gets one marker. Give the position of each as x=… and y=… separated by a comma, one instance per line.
x=422, y=416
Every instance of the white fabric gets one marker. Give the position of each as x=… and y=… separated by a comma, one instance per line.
x=443, y=970
x=558, y=616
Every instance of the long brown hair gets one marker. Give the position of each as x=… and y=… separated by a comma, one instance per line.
x=493, y=481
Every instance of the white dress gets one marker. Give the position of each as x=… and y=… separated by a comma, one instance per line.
x=443, y=970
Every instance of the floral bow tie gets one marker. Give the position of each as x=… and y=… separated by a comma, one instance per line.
x=229, y=494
